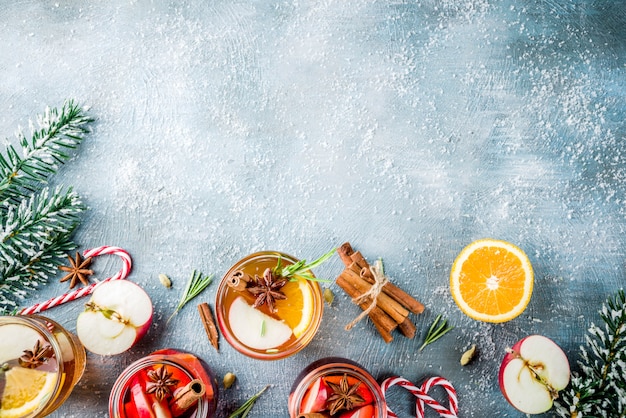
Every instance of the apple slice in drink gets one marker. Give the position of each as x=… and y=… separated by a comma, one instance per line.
x=315, y=398
x=140, y=404
x=532, y=373
x=118, y=314
x=255, y=329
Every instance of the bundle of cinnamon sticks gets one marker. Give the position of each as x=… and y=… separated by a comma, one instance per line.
x=393, y=305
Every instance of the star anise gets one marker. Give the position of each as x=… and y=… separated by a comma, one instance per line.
x=160, y=382
x=344, y=396
x=77, y=270
x=34, y=358
x=267, y=289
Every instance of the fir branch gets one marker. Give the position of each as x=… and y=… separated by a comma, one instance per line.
x=57, y=132
x=36, y=223
x=34, y=237
x=599, y=390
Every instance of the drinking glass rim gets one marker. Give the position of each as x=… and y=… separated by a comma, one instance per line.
x=300, y=343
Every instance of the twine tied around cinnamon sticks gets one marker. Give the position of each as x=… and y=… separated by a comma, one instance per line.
x=372, y=294
x=387, y=305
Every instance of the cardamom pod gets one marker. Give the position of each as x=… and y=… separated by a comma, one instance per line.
x=328, y=296
x=165, y=281
x=229, y=379
x=468, y=355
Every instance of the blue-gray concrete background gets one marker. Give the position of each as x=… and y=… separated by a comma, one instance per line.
x=409, y=128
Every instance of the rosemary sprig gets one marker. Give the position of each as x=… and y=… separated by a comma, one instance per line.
x=244, y=409
x=302, y=268
x=196, y=284
x=436, y=331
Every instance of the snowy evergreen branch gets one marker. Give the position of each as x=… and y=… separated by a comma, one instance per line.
x=599, y=390
x=36, y=223
x=57, y=132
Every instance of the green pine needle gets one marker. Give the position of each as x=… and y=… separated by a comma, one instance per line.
x=599, y=388
x=58, y=131
x=302, y=268
x=436, y=331
x=36, y=222
x=244, y=409
x=196, y=284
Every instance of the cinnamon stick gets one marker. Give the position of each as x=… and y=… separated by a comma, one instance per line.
x=345, y=251
x=357, y=257
x=384, y=301
x=186, y=397
x=238, y=280
x=406, y=300
x=384, y=323
x=355, y=261
x=206, y=316
x=407, y=328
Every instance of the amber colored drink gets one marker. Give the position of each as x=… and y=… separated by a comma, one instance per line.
x=167, y=383
x=260, y=331
x=312, y=391
x=40, y=363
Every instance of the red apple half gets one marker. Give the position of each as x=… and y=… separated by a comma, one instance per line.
x=118, y=314
x=532, y=373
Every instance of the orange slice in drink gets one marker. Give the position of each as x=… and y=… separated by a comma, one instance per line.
x=297, y=309
x=25, y=390
x=491, y=280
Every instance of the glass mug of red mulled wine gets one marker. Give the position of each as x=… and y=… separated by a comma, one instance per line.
x=165, y=383
x=336, y=387
x=263, y=314
x=40, y=363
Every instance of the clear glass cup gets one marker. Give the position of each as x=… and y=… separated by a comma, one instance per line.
x=40, y=363
x=312, y=388
x=258, y=332
x=191, y=387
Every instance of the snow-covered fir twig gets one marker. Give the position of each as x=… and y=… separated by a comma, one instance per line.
x=36, y=223
x=56, y=133
x=599, y=390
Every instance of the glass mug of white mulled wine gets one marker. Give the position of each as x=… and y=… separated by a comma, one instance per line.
x=264, y=314
x=337, y=387
x=40, y=363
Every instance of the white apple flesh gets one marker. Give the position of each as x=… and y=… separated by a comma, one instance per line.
x=532, y=373
x=118, y=314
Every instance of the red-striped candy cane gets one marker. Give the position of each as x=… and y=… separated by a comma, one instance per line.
x=421, y=393
x=83, y=291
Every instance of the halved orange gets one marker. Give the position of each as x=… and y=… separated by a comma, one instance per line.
x=297, y=309
x=491, y=280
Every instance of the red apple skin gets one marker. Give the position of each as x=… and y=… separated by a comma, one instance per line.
x=140, y=399
x=142, y=330
x=315, y=398
x=515, y=352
